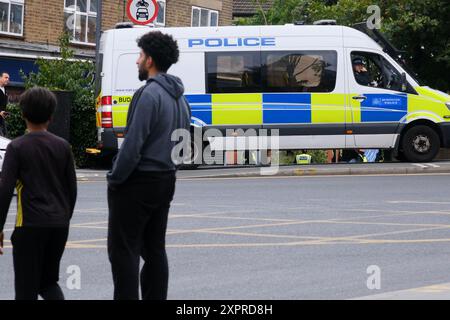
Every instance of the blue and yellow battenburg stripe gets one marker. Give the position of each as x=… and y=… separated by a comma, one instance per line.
x=303, y=108
x=296, y=108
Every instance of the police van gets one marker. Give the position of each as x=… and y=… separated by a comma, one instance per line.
x=298, y=79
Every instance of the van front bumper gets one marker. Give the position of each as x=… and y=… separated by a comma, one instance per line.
x=445, y=133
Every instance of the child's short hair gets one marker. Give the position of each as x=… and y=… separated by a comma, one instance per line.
x=37, y=105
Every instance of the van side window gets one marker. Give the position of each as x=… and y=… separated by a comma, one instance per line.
x=233, y=72
x=306, y=71
x=373, y=70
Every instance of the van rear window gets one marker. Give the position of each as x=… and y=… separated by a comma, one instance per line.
x=271, y=71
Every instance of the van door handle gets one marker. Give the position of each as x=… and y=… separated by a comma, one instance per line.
x=359, y=98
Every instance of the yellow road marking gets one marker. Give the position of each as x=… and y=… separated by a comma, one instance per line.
x=281, y=244
x=90, y=210
x=243, y=218
x=247, y=226
x=88, y=223
x=355, y=238
x=90, y=227
x=417, y=202
x=403, y=211
x=86, y=241
x=207, y=214
x=433, y=288
x=336, y=221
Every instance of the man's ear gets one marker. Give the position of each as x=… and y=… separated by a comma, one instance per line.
x=148, y=62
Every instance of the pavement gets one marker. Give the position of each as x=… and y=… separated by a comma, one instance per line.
x=400, y=168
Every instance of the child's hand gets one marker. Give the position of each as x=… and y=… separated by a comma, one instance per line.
x=1, y=242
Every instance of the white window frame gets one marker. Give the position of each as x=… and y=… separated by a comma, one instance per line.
x=16, y=2
x=161, y=24
x=88, y=14
x=200, y=16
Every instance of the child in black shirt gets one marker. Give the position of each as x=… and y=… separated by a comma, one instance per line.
x=41, y=167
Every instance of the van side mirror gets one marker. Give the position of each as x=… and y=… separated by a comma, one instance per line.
x=404, y=82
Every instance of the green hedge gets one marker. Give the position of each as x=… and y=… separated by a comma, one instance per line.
x=15, y=124
x=288, y=157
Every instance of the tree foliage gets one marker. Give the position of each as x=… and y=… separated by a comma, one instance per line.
x=77, y=76
x=419, y=27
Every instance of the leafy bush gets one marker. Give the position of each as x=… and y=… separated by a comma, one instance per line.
x=288, y=157
x=68, y=74
x=317, y=156
x=15, y=124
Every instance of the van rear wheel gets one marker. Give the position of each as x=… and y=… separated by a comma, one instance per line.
x=420, y=144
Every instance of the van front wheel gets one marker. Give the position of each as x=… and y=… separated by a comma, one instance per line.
x=420, y=144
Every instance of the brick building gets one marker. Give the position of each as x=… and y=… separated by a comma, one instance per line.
x=30, y=28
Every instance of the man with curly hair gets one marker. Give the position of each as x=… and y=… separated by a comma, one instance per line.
x=141, y=183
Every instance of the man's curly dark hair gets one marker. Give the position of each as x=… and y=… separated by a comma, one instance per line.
x=161, y=47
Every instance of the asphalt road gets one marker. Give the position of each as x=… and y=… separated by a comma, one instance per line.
x=279, y=238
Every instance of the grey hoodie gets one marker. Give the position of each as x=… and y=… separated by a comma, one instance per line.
x=156, y=110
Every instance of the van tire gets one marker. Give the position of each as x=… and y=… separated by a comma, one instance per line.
x=420, y=144
x=401, y=157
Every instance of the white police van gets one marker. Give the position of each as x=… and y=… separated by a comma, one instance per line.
x=298, y=79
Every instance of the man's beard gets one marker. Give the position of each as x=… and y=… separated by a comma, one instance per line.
x=143, y=73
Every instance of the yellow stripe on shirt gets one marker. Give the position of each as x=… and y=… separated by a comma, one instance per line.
x=19, y=187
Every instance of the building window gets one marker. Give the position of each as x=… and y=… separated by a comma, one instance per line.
x=80, y=19
x=202, y=17
x=161, y=19
x=11, y=17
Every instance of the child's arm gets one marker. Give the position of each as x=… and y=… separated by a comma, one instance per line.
x=8, y=179
x=1, y=242
x=71, y=182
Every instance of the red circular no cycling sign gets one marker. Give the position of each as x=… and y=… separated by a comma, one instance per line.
x=142, y=12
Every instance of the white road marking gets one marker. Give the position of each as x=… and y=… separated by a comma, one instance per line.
x=419, y=202
x=420, y=165
x=433, y=165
